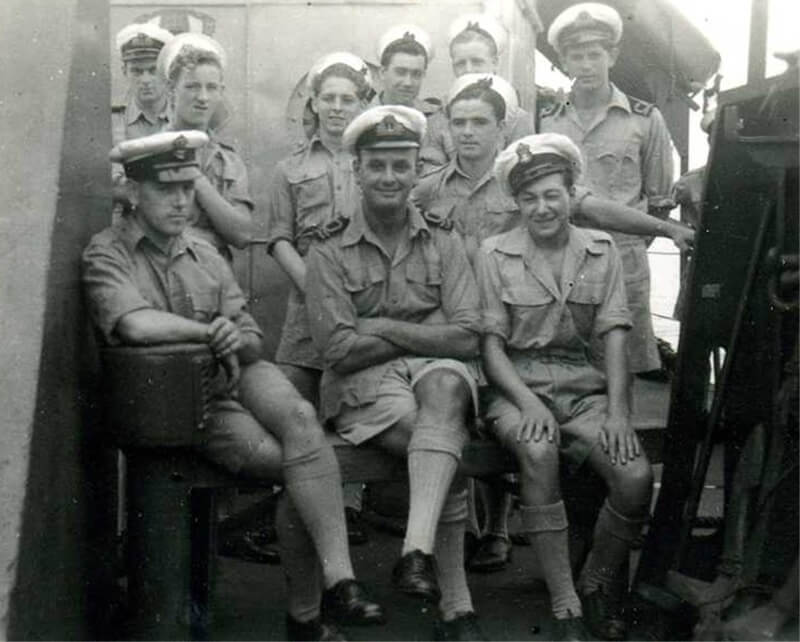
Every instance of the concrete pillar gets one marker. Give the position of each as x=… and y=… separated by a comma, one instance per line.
x=55, y=186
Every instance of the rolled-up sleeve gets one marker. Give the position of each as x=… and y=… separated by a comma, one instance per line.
x=236, y=189
x=331, y=313
x=233, y=304
x=494, y=316
x=110, y=288
x=460, y=302
x=280, y=211
x=657, y=161
x=613, y=312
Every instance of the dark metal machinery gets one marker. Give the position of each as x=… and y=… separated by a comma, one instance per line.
x=742, y=300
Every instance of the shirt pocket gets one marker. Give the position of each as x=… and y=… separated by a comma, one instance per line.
x=424, y=282
x=501, y=215
x=204, y=305
x=313, y=199
x=531, y=310
x=614, y=169
x=365, y=283
x=583, y=300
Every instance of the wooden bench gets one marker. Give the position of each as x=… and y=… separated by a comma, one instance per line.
x=156, y=401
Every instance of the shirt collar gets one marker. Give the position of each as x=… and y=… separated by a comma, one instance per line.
x=618, y=99
x=453, y=168
x=133, y=113
x=132, y=235
x=579, y=243
x=358, y=228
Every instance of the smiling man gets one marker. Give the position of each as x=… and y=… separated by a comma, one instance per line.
x=549, y=292
x=626, y=145
x=393, y=309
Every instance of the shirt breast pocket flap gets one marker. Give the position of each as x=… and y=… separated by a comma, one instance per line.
x=361, y=277
x=311, y=191
x=526, y=296
x=424, y=273
x=204, y=304
x=587, y=292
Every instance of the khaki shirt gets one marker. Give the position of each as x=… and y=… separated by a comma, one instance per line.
x=226, y=171
x=478, y=210
x=350, y=276
x=627, y=151
x=439, y=148
x=131, y=122
x=311, y=187
x=123, y=271
x=522, y=304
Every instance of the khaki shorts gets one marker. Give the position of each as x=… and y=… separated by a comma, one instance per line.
x=233, y=438
x=396, y=399
x=574, y=392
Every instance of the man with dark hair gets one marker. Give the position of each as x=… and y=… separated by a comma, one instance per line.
x=549, y=291
x=393, y=310
x=476, y=41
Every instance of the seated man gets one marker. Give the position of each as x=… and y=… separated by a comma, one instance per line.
x=393, y=309
x=149, y=282
x=548, y=289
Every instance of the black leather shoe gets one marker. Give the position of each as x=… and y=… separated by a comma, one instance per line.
x=347, y=603
x=356, y=530
x=312, y=630
x=471, y=544
x=415, y=574
x=249, y=546
x=463, y=627
x=493, y=554
x=602, y=614
x=572, y=629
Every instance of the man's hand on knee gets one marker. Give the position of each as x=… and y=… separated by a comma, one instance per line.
x=224, y=337
x=619, y=439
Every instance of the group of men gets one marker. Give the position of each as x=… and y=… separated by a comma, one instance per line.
x=439, y=287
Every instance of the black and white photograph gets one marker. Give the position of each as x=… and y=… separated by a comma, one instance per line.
x=399, y=320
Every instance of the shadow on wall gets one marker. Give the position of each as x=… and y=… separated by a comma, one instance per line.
x=64, y=557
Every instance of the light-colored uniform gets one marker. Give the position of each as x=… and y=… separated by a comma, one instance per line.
x=226, y=171
x=478, y=210
x=438, y=147
x=628, y=158
x=549, y=329
x=123, y=271
x=351, y=277
x=311, y=188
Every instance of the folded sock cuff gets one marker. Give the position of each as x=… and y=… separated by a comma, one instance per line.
x=624, y=528
x=438, y=439
x=546, y=517
x=314, y=464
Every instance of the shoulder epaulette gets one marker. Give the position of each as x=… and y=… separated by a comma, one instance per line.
x=298, y=147
x=641, y=107
x=442, y=222
x=331, y=228
x=431, y=170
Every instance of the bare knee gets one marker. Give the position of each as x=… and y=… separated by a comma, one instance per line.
x=634, y=480
x=538, y=460
x=301, y=422
x=443, y=392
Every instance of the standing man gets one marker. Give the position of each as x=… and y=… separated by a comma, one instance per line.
x=476, y=41
x=145, y=111
x=626, y=146
x=393, y=308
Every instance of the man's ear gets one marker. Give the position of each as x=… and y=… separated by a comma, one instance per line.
x=420, y=165
x=125, y=69
x=132, y=188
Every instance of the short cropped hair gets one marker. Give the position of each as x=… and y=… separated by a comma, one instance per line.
x=486, y=94
x=406, y=46
x=475, y=35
